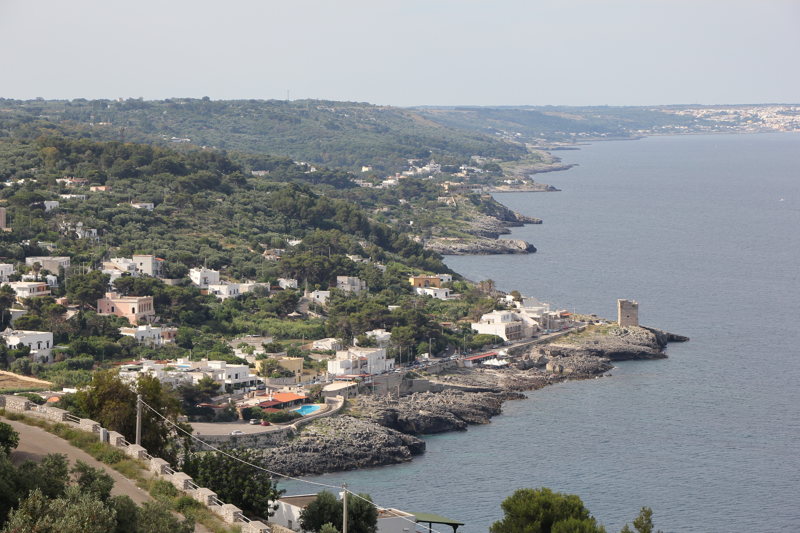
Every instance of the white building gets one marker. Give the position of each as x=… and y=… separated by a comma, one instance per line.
x=29, y=289
x=433, y=292
x=350, y=284
x=151, y=335
x=327, y=344
x=119, y=266
x=381, y=337
x=250, y=286
x=356, y=361
x=49, y=205
x=50, y=279
x=541, y=313
x=49, y=262
x=72, y=196
x=223, y=291
x=148, y=264
x=232, y=377
x=287, y=283
x=203, y=277
x=6, y=270
x=149, y=206
x=509, y=325
x=289, y=509
x=320, y=297
x=40, y=343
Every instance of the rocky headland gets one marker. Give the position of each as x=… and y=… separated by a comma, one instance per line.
x=426, y=413
x=610, y=342
x=382, y=430
x=342, y=443
x=478, y=246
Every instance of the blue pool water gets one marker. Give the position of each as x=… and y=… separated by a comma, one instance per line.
x=307, y=409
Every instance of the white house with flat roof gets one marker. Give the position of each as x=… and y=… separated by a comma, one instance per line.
x=6, y=270
x=434, y=292
x=320, y=297
x=233, y=377
x=350, y=284
x=151, y=335
x=50, y=279
x=354, y=361
x=47, y=262
x=40, y=343
x=223, y=291
x=148, y=264
x=203, y=277
x=29, y=289
x=380, y=336
x=509, y=325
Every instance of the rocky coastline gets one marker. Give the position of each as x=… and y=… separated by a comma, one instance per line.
x=385, y=430
x=483, y=234
x=478, y=246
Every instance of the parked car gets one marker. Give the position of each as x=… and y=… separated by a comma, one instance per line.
x=264, y=423
x=254, y=421
x=237, y=432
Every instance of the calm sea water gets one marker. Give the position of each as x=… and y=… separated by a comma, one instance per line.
x=704, y=231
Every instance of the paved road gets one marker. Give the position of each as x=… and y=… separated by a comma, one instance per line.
x=35, y=443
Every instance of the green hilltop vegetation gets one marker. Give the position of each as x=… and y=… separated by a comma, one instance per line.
x=337, y=134
x=350, y=135
x=208, y=211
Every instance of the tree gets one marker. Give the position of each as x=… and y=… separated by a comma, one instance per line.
x=7, y=299
x=9, y=439
x=86, y=289
x=74, y=511
x=234, y=481
x=544, y=511
x=154, y=517
x=326, y=510
x=328, y=528
x=112, y=403
x=642, y=523
x=362, y=515
x=94, y=481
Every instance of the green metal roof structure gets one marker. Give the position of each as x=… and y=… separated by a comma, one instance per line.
x=431, y=519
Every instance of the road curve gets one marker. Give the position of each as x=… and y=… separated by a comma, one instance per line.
x=35, y=443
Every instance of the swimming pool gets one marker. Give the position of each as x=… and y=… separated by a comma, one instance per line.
x=307, y=409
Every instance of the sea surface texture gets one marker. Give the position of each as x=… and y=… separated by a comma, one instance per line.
x=704, y=232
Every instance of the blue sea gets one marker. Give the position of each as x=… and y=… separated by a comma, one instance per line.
x=704, y=232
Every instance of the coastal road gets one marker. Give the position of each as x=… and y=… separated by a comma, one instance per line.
x=35, y=443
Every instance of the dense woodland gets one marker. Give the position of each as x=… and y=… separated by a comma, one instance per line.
x=338, y=134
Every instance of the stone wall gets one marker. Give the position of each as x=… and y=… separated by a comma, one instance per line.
x=158, y=467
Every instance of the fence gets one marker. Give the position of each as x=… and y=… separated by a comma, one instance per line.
x=159, y=467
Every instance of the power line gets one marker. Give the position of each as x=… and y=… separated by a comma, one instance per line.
x=274, y=473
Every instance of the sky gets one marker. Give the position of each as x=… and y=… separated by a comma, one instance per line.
x=405, y=53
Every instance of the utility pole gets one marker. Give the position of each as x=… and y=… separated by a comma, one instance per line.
x=139, y=419
x=344, y=507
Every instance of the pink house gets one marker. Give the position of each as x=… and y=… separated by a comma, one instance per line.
x=137, y=309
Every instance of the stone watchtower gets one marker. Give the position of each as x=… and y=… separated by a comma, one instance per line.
x=627, y=313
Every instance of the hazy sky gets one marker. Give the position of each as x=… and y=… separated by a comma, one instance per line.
x=409, y=52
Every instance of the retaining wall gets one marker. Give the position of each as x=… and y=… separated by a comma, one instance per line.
x=159, y=467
